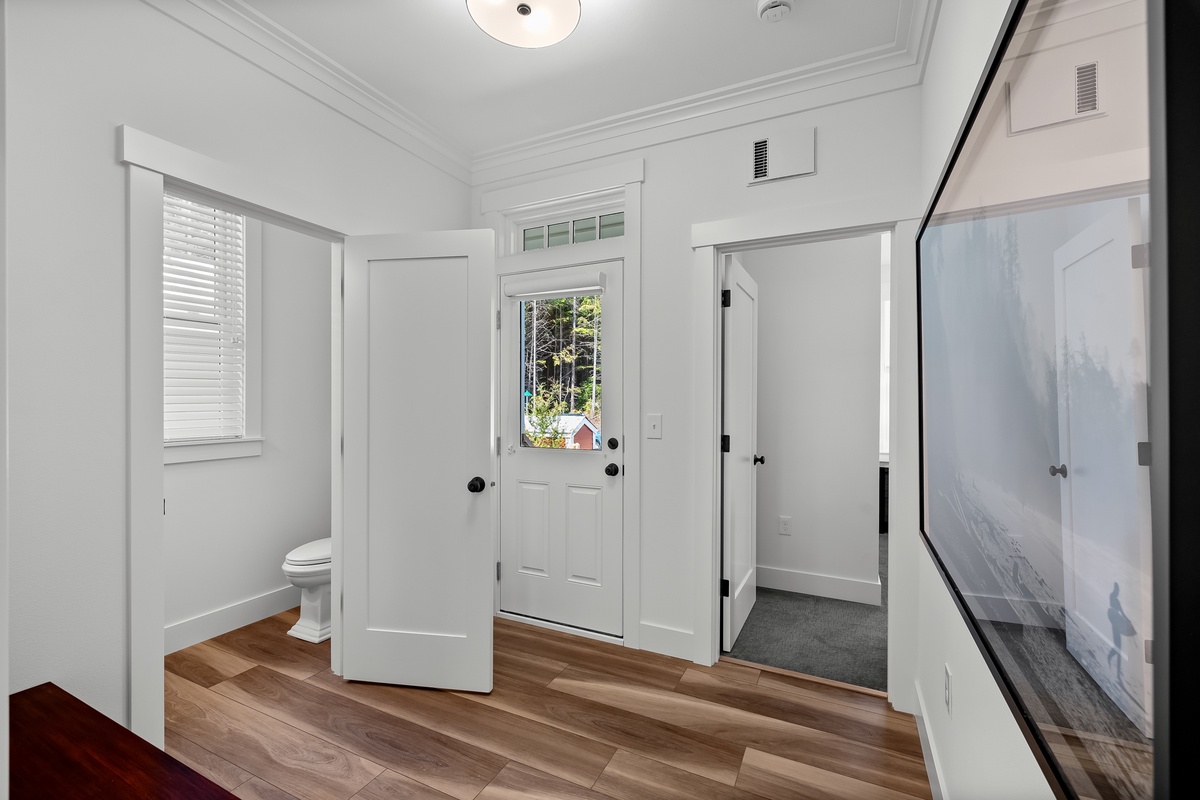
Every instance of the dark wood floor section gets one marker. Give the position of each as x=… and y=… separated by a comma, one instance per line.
x=260, y=714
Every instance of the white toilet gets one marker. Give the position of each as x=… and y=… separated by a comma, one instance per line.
x=308, y=568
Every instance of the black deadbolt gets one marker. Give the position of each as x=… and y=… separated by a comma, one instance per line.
x=612, y=469
x=475, y=485
x=613, y=443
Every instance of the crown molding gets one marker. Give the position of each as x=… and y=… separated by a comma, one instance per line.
x=237, y=27
x=244, y=32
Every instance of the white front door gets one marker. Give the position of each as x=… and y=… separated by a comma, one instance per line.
x=561, y=442
x=417, y=543
x=1102, y=416
x=740, y=380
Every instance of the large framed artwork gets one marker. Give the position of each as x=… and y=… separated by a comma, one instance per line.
x=1051, y=436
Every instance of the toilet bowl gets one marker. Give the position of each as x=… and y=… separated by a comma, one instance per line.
x=307, y=567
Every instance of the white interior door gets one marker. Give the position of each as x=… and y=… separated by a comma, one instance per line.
x=562, y=443
x=1101, y=356
x=417, y=542
x=739, y=539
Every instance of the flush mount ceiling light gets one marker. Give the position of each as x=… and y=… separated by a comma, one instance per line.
x=531, y=23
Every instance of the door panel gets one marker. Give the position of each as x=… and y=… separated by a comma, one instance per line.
x=417, y=545
x=739, y=539
x=1105, y=493
x=561, y=542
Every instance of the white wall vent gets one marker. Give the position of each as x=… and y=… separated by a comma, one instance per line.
x=1087, y=88
x=786, y=153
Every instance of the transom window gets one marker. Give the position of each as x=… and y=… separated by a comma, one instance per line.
x=585, y=229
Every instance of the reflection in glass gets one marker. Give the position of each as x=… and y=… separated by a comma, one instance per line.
x=535, y=238
x=1034, y=346
x=612, y=225
x=585, y=229
x=561, y=376
x=559, y=233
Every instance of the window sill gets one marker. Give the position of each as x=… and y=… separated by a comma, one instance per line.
x=211, y=449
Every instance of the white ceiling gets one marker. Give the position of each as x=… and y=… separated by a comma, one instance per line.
x=627, y=60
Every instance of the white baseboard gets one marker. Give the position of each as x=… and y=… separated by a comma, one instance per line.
x=852, y=589
x=932, y=767
x=214, y=623
x=667, y=641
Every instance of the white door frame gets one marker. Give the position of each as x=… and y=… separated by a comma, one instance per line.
x=503, y=209
x=711, y=243
x=150, y=162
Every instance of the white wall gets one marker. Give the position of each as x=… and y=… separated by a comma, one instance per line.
x=866, y=149
x=818, y=416
x=77, y=69
x=3, y=413
x=979, y=751
x=276, y=501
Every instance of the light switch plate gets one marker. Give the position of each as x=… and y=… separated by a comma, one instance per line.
x=654, y=426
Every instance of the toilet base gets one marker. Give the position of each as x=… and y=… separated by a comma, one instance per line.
x=315, y=615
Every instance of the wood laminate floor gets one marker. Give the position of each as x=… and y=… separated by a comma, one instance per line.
x=259, y=713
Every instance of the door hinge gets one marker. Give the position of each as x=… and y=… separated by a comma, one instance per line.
x=1139, y=254
x=726, y=298
x=497, y=319
x=497, y=445
x=1149, y=651
x=1143, y=454
x=724, y=587
x=725, y=443
x=164, y=506
x=497, y=572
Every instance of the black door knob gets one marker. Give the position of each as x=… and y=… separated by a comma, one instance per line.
x=613, y=444
x=475, y=485
x=612, y=470
x=760, y=459
x=1059, y=470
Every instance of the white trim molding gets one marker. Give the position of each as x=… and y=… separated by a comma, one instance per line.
x=242, y=30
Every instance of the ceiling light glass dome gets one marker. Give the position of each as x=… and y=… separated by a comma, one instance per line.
x=526, y=23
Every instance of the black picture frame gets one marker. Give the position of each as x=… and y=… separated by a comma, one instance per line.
x=1173, y=47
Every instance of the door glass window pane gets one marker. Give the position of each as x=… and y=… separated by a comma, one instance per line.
x=561, y=375
x=560, y=233
x=585, y=229
x=612, y=225
x=535, y=238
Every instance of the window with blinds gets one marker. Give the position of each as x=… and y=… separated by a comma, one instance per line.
x=204, y=322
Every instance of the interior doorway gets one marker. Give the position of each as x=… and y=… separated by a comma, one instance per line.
x=805, y=412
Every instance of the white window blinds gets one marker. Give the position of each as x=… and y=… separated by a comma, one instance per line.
x=204, y=322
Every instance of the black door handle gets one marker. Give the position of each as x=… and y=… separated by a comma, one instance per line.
x=475, y=485
x=1060, y=470
x=612, y=470
x=760, y=459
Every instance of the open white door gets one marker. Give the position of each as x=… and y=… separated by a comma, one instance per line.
x=739, y=539
x=418, y=555
x=1105, y=491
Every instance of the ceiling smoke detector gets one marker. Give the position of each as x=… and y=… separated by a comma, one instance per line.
x=774, y=10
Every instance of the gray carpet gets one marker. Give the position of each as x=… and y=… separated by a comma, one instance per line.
x=833, y=639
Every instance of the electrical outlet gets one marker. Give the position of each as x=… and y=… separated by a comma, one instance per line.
x=785, y=526
x=949, y=693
